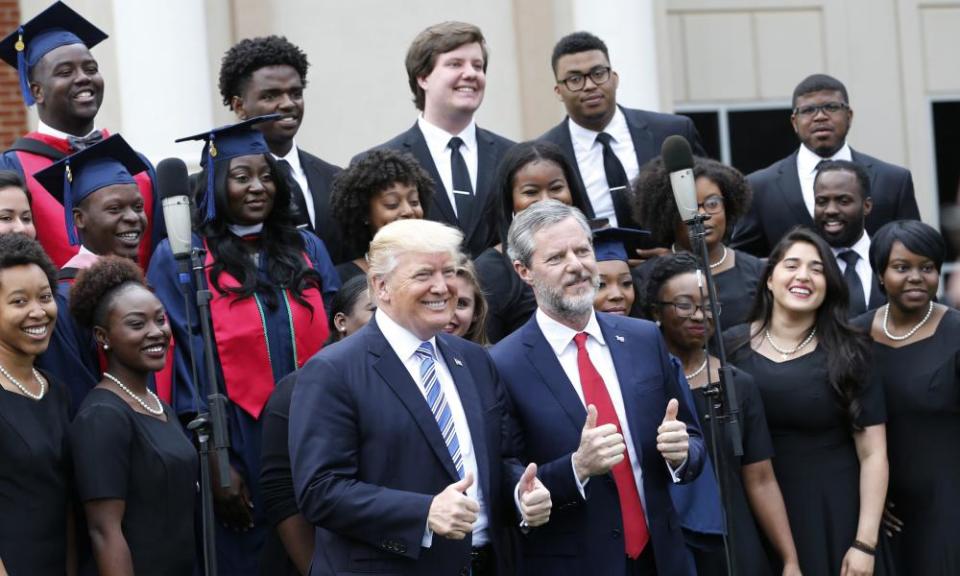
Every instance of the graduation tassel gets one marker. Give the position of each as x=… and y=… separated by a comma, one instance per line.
x=68, y=205
x=209, y=208
x=22, y=69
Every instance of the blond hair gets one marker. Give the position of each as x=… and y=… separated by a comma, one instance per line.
x=405, y=236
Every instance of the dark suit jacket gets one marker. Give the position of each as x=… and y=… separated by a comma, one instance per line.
x=320, y=179
x=648, y=130
x=778, y=202
x=480, y=232
x=585, y=536
x=368, y=456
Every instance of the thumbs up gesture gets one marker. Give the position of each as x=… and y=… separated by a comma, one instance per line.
x=601, y=447
x=672, y=439
x=452, y=513
x=535, y=503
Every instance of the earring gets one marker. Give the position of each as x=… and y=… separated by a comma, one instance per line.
x=657, y=322
x=106, y=346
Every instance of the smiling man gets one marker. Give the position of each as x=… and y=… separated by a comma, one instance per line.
x=61, y=76
x=783, y=195
x=447, y=71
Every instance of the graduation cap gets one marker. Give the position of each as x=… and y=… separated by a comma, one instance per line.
x=111, y=161
x=224, y=143
x=617, y=243
x=56, y=26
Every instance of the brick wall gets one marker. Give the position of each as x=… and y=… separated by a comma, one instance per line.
x=13, y=114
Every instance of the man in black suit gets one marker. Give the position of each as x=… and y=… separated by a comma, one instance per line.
x=606, y=144
x=267, y=75
x=783, y=191
x=446, y=68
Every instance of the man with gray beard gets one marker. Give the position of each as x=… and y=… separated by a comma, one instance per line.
x=596, y=400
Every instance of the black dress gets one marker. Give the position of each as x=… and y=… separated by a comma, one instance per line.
x=348, y=270
x=816, y=460
x=922, y=385
x=34, y=482
x=510, y=300
x=151, y=465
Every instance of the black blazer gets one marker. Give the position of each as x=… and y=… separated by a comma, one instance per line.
x=648, y=130
x=778, y=202
x=320, y=179
x=480, y=232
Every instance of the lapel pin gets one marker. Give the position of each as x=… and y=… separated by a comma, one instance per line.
x=457, y=362
x=619, y=338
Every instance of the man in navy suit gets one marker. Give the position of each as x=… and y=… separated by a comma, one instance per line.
x=783, y=191
x=446, y=68
x=605, y=143
x=596, y=401
x=399, y=438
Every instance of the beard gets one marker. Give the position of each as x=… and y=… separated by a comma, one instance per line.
x=553, y=299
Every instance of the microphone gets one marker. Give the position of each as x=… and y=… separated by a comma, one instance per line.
x=174, y=186
x=678, y=161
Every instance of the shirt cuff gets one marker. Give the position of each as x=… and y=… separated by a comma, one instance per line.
x=524, y=527
x=427, y=540
x=676, y=473
x=580, y=485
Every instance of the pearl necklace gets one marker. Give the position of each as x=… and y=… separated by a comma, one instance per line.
x=155, y=411
x=788, y=353
x=888, y=334
x=698, y=371
x=27, y=393
x=673, y=248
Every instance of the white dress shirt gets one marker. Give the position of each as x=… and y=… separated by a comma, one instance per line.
x=405, y=345
x=807, y=170
x=293, y=158
x=589, y=154
x=863, y=269
x=44, y=129
x=438, y=142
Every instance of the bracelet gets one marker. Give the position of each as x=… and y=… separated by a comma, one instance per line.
x=864, y=547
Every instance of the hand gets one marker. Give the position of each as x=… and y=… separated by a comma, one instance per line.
x=601, y=448
x=452, y=513
x=535, y=503
x=672, y=438
x=792, y=569
x=856, y=563
x=232, y=505
x=891, y=523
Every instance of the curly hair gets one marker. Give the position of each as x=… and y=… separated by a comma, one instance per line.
x=661, y=271
x=20, y=250
x=656, y=210
x=574, y=44
x=95, y=289
x=355, y=188
x=251, y=54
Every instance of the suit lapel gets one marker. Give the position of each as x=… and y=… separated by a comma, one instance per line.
x=545, y=362
x=788, y=182
x=566, y=145
x=619, y=343
x=643, y=145
x=486, y=168
x=416, y=144
x=318, y=191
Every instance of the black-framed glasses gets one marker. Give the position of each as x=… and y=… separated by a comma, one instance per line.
x=686, y=308
x=811, y=110
x=576, y=81
x=712, y=205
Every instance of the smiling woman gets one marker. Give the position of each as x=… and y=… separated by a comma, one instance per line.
x=16, y=213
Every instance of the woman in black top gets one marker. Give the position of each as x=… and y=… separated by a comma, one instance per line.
x=916, y=353
x=34, y=456
x=136, y=469
x=722, y=194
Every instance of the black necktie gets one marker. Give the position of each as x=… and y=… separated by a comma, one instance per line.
x=617, y=182
x=858, y=304
x=298, y=205
x=78, y=143
x=462, y=188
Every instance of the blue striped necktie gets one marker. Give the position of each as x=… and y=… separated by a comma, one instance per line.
x=438, y=403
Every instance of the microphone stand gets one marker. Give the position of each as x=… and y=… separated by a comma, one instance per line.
x=209, y=426
x=724, y=391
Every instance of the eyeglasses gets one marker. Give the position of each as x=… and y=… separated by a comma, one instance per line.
x=712, y=205
x=812, y=110
x=577, y=82
x=686, y=308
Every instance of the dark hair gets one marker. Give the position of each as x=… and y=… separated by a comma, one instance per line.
x=345, y=300
x=847, y=349
x=518, y=156
x=656, y=210
x=11, y=179
x=662, y=269
x=863, y=179
x=574, y=44
x=355, y=188
x=20, y=250
x=917, y=237
x=281, y=245
x=431, y=43
x=96, y=288
x=819, y=83
x=477, y=332
x=252, y=54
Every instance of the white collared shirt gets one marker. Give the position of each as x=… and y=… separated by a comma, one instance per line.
x=293, y=158
x=589, y=154
x=807, y=162
x=438, y=142
x=44, y=129
x=405, y=345
x=864, y=271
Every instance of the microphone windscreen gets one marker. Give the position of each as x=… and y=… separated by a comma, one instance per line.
x=676, y=153
x=172, y=178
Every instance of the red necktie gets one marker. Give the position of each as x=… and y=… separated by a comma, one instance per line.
x=636, y=534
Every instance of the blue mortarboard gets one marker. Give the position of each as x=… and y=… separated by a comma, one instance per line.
x=224, y=143
x=111, y=161
x=613, y=243
x=56, y=26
